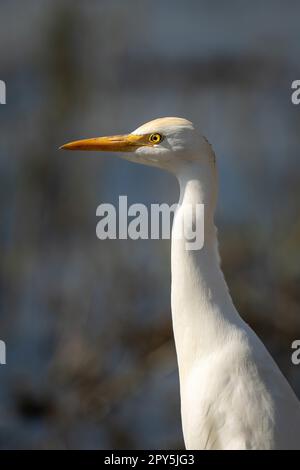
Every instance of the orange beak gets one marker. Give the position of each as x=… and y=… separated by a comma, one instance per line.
x=115, y=143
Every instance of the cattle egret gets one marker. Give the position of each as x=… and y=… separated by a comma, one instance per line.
x=233, y=395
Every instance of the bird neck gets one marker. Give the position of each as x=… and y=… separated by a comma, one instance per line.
x=202, y=309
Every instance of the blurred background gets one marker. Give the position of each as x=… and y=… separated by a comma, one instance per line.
x=90, y=355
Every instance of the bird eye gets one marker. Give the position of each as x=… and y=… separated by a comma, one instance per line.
x=155, y=138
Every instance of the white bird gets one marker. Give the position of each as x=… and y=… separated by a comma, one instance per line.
x=233, y=395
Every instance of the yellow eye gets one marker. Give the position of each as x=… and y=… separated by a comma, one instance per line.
x=155, y=138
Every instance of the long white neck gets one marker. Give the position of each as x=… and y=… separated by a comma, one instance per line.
x=202, y=310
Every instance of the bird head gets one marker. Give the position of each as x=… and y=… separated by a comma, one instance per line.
x=168, y=143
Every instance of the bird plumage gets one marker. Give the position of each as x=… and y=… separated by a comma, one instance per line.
x=233, y=395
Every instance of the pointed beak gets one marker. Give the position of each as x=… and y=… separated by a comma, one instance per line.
x=115, y=143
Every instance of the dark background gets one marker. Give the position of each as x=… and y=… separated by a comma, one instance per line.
x=90, y=354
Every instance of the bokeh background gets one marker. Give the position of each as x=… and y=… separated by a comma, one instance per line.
x=90, y=356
